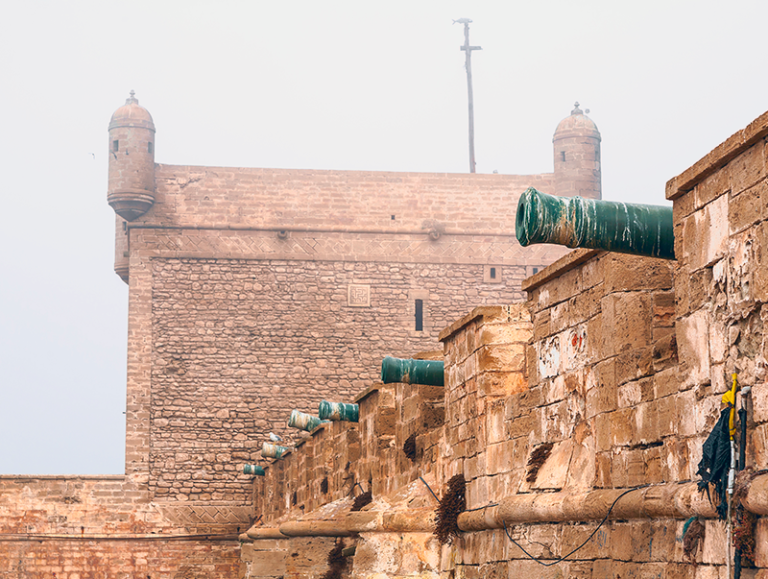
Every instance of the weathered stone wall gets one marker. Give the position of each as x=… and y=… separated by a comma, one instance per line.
x=75, y=527
x=237, y=344
x=341, y=460
x=484, y=367
x=721, y=278
x=313, y=486
x=603, y=363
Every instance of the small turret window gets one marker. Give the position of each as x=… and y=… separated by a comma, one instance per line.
x=115, y=146
x=149, y=148
x=562, y=155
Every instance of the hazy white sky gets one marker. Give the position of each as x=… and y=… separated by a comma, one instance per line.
x=308, y=84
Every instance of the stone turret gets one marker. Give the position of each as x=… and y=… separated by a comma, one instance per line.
x=131, y=160
x=577, y=157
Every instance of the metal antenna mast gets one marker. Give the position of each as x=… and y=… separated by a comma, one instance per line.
x=468, y=52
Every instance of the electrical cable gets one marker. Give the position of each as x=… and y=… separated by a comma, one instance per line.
x=588, y=539
x=479, y=508
x=429, y=489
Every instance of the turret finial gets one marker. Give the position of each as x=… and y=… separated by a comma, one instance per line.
x=132, y=98
x=576, y=110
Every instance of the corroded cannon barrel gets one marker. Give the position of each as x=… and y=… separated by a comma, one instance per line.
x=304, y=421
x=608, y=225
x=339, y=411
x=427, y=372
x=253, y=469
x=269, y=450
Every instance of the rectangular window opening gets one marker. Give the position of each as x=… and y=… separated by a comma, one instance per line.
x=493, y=273
x=149, y=148
x=419, y=315
x=562, y=155
x=115, y=146
x=535, y=270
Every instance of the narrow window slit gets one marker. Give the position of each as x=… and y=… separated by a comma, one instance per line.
x=419, y=315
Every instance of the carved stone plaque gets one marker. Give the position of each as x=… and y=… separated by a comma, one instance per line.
x=359, y=296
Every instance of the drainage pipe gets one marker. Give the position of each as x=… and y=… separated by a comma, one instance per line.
x=398, y=521
x=264, y=533
x=678, y=501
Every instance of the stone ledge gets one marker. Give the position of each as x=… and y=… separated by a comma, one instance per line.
x=562, y=265
x=718, y=157
x=375, y=387
x=478, y=312
x=341, y=174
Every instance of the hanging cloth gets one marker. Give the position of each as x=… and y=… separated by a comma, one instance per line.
x=716, y=460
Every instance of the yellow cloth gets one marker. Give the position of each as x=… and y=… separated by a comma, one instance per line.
x=729, y=398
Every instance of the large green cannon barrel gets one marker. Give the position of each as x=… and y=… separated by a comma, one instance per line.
x=427, y=372
x=608, y=225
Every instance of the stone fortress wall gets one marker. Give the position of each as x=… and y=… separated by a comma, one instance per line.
x=591, y=400
x=253, y=291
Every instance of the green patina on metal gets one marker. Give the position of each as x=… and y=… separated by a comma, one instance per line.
x=339, y=411
x=427, y=372
x=304, y=421
x=273, y=450
x=607, y=225
x=253, y=469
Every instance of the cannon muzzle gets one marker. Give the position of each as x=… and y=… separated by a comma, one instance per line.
x=608, y=225
x=304, y=421
x=339, y=411
x=427, y=372
x=253, y=469
x=269, y=450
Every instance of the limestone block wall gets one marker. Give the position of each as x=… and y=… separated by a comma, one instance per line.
x=340, y=460
x=721, y=278
x=236, y=344
x=304, y=500
x=484, y=367
x=603, y=361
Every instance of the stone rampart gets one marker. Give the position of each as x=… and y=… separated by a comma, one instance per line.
x=577, y=420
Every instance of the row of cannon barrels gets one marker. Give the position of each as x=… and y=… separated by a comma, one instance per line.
x=407, y=371
x=631, y=228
